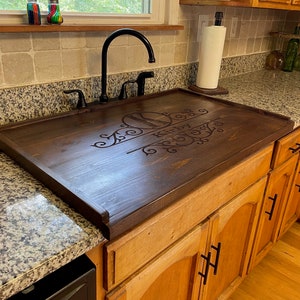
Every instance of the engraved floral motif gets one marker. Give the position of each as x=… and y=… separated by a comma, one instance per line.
x=199, y=134
x=141, y=123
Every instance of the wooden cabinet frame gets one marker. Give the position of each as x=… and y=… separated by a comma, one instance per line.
x=280, y=208
x=273, y=4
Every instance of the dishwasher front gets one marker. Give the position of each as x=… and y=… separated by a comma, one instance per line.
x=74, y=281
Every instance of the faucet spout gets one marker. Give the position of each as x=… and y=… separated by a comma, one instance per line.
x=110, y=38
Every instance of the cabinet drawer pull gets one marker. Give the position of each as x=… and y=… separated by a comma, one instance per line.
x=207, y=258
x=216, y=264
x=270, y=213
x=294, y=150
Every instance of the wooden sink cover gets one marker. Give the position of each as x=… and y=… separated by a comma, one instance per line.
x=120, y=163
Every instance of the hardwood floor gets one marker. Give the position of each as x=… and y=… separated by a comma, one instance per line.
x=277, y=276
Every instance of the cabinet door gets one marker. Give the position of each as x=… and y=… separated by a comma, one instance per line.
x=291, y=213
x=232, y=239
x=172, y=275
x=275, y=198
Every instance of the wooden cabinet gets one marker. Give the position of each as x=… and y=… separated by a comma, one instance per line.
x=202, y=246
x=275, y=196
x=173, y=255
x=286, y=147
x=243, y=3
x=96, y=256
x=126, y=255
x=206, y=263
x=281, y=199
x=233, y=229
x=172, y=275
x=291, y=211
x=277, y=4
x=273, y=4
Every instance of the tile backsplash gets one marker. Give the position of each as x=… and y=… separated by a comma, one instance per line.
x=34, y=58
x=39, y=100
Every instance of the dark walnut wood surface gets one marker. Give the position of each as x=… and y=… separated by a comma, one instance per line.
x=120, y=163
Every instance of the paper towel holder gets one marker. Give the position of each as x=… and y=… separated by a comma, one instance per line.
x=214, y=90
x=217, y=91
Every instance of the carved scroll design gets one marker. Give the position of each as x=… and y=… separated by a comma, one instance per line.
x=199, y=134
x=140, y=123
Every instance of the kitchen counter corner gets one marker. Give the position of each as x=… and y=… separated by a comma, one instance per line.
x=39, y=233
x=274, y=91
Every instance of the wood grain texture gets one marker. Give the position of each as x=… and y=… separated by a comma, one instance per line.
x=120, y=163
x=277, y=276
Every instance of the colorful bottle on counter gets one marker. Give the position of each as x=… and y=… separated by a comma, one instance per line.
x=54, y=15
x=291, y=52
x=33, y=12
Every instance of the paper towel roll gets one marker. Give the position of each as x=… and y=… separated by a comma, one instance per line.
x=210, y=56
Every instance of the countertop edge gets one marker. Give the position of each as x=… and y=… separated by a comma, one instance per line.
x=48, y=266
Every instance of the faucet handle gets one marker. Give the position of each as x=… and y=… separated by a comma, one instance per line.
x=123, y=93
x=141, y=81
x=81, y=99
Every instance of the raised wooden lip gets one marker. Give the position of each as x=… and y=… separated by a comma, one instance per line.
x=113, y=228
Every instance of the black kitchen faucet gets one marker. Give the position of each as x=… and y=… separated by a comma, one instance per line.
x=110, y=38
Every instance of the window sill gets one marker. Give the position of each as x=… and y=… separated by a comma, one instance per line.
x=82, y=28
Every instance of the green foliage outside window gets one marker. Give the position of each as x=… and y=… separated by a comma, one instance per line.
x=84, y=6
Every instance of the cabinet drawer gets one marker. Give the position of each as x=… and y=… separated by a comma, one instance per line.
x=171, y=275
x=286, y=147
x=130, y=252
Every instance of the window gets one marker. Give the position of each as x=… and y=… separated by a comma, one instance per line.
x=87, y=6
x=91, y=11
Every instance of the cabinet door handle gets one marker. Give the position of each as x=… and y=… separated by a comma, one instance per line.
x=216, y=264
x=298, y=186
x=294, y=150
x=205, y=274
x=270, y=213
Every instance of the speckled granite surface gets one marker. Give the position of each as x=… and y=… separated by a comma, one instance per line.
x=38, y=232
x=275, y=91
x=23, y=103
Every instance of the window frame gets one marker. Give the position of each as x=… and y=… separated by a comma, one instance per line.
x=157, y=16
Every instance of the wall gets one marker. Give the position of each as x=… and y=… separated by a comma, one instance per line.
x=35, y=58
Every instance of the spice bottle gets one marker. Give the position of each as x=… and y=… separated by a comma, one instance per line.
x=291, y=53
x=54, y=15
x=33, y=12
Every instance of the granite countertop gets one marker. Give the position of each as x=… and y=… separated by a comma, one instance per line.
x=39, y=233
x=275, y=91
